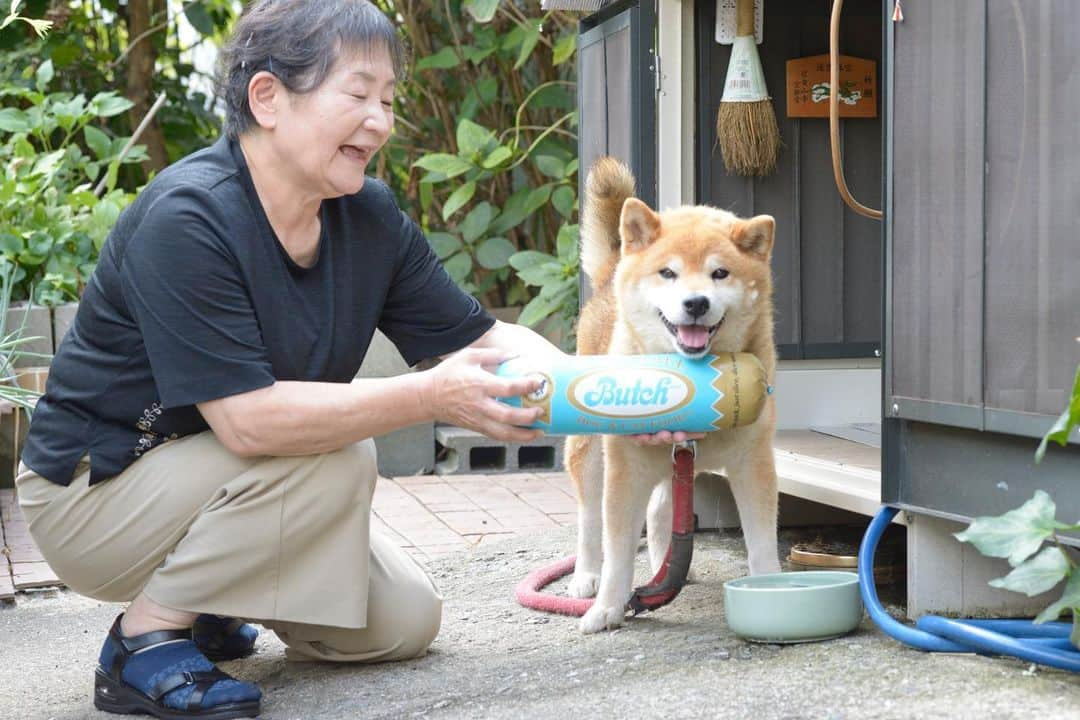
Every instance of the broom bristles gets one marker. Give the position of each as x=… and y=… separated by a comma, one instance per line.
x=749, y=137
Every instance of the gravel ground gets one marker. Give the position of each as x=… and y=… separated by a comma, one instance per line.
x=495, y=659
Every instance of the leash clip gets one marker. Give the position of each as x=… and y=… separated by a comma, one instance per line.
x=690, y=445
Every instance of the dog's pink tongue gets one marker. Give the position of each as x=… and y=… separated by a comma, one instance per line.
x=693, y=336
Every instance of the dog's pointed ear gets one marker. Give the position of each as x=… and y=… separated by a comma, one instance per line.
x=639, y=226
x=755, y=236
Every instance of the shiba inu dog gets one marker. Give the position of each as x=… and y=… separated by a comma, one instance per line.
x=693, y=281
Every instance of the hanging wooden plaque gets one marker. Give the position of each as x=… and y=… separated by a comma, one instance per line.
x=808, y=87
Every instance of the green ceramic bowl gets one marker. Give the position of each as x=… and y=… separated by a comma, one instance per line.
x=792, y=607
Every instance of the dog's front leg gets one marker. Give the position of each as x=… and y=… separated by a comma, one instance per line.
x=753, y=483
x=626, y=494
x=658, y=525
x=584, y=459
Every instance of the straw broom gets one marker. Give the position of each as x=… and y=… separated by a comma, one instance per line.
x=746, y=124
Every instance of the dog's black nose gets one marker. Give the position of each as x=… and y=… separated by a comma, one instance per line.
x=696, y=306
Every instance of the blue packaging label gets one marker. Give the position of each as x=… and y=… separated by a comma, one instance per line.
x=642, y=393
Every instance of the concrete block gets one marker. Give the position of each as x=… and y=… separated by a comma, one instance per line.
x=466, y=452
x=715, y=507
x=37, y=323
x=63, y=317
x=411, y=450
x=946, y=576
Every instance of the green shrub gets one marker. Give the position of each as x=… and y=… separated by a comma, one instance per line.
x=485, y=147
x=52, y=223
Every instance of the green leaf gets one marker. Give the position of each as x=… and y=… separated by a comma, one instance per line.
x=108, y=104
x=445, y=164
x=494, y=253
x=472, y=137
x=513, y=212
x=64, y=55
x=556, y=287
x=529, y=258
x=458, y=267
x=67, y=113
x=11, y=244
x=481, y=10
x=444, y=244
x=568, y=243
x=477, y=221
x=111, y=175
x=427, y=195
x=550, y=166
x=477, y=55
x=541, y=274
x=47, y=163
x=1038, y=574
x=487, y=89
x=1069, y=419
x=13, y=121
x=532, y=36
x=497, y=157
x=1069, y=599
x=44, y=75
x=445, y=59
x=102, y=219
x=97, y=141
x=199, y=18
x=458, y=198
x=563, y=200
x=564, y=48
x=1016, y=534
x=553, y=96
x=40, y=244
x=539, y=308
x=537, y=199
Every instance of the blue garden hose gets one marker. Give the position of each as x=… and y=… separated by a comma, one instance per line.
x=1046, y=644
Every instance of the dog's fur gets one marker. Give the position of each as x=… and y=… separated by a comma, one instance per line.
x=645, y=267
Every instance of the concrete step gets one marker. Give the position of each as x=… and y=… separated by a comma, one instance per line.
x=461, y=452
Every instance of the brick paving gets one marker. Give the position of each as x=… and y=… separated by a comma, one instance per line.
x=21, y=565
x=434, y=515
x=428, y=515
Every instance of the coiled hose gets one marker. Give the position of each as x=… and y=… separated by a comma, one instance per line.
x=1046, y=644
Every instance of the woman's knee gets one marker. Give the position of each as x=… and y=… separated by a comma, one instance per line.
x=352, y=471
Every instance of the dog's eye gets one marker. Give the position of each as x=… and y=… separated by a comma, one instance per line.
x=719, y=274
x=668, y=274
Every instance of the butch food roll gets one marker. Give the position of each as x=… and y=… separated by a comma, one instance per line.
x=630, y=394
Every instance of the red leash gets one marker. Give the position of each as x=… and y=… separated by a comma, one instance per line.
x=669, y=579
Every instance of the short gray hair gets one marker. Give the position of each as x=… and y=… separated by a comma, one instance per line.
x=298, y=41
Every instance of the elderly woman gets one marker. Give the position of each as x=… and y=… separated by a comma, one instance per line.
x=203, y=450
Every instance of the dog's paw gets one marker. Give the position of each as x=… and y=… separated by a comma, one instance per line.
x=584, y=585
x=602, y=618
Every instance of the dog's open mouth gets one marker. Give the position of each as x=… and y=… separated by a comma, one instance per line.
x=691, y=339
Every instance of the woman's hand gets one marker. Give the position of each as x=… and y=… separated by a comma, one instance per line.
x=461, y=390
x=665, y=437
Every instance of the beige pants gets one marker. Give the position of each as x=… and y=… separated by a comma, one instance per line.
x=283, y=541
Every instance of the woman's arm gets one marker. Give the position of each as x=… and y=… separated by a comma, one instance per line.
x=306, y=418
x=517, y=340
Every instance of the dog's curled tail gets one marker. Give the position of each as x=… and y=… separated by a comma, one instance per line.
x=608, y=186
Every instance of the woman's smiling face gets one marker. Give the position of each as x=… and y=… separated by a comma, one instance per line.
x=331, y=134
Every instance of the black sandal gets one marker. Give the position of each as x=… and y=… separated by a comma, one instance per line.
x=223, y=638
x=112, y=694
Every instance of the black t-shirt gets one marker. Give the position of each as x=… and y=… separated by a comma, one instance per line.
x=194, y=299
